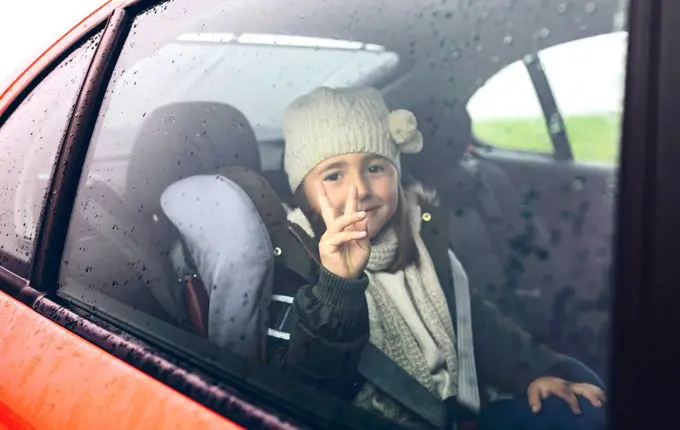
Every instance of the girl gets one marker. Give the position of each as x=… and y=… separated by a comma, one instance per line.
x=383, y=284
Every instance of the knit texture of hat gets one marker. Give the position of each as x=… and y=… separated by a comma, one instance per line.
x=330, y=122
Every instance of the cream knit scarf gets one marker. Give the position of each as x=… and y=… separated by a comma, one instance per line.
x=389, y=332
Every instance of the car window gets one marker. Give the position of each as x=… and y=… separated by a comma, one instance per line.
x=29, y=140
x=195, y=223
x=586, y=78
x=506, y=113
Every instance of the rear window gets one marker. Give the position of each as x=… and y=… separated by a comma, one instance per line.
x=586, y=77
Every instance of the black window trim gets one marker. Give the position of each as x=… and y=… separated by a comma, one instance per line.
x=56, y=217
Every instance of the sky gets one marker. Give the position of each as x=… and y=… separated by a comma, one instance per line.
x=28, y=27
x=580, y=72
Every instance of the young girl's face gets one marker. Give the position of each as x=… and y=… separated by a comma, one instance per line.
x=375, y=177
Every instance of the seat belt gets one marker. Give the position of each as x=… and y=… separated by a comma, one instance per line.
x=386, y=374
x=377, y=368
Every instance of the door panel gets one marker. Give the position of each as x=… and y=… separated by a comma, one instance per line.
x=53, y=379
x=571, y=207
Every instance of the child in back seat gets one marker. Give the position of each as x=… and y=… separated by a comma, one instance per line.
x=378, y=283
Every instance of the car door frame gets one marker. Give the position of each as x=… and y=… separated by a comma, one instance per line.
x=646, y=245
x=645, y=349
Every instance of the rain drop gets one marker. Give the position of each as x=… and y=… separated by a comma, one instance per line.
x=577, y=184
x=555, y=124
x=591, y=8
x=507, y=40
x=608, y=198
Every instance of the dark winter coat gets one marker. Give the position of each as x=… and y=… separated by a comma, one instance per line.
x=319, y=327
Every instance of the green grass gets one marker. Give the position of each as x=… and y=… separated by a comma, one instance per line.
x=594, y=138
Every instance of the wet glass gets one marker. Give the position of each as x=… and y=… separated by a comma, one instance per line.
x=29, y=140
x=520, y=148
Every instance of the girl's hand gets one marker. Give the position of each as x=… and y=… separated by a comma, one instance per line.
x=345, y=247
x=542, y=388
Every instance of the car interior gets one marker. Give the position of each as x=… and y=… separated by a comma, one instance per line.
x=532, y=232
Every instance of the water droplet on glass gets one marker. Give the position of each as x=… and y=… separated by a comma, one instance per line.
x=507, y=40
x=555, y=124
x=528, y=59
x=591, y=8
x=543, y=33
x=455, y=54
x=577, y=184
x=561, y=8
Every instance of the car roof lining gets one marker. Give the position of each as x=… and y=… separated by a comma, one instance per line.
x=469, y=43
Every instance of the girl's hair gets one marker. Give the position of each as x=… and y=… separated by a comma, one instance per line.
x=407, y=253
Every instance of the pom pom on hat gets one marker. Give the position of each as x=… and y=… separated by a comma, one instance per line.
x=403, y=128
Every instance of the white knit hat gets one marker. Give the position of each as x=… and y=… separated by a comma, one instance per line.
x=329, y=122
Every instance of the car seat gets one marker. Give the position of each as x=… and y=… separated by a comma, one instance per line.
x=533, y=267
x=270, y=210
x=230, y=250
x=175, y=142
